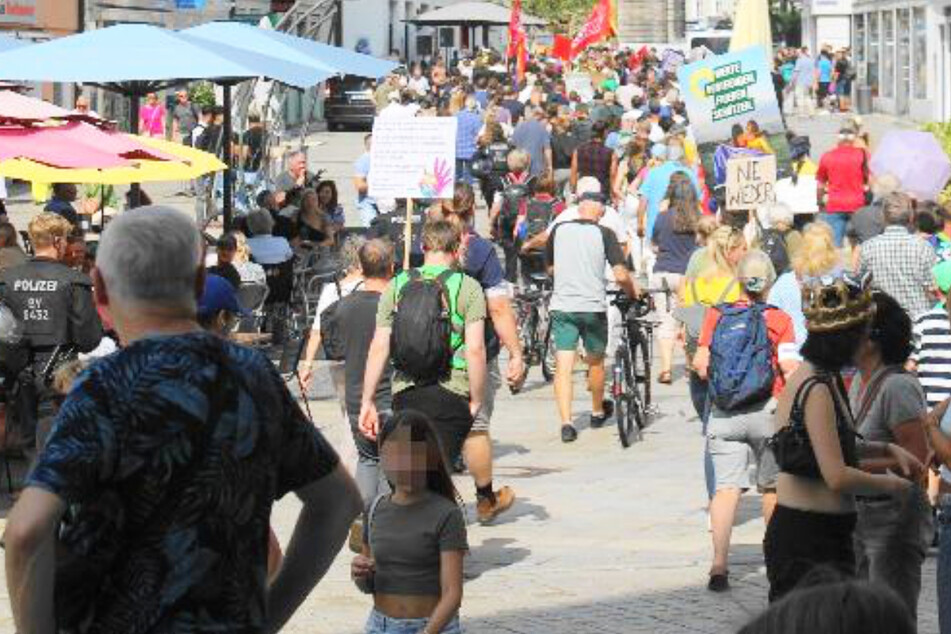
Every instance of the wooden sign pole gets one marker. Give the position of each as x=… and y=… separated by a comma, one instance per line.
x=408, y=233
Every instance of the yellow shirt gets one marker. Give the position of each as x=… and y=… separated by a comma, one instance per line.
x=711, y=290
x=760, y=143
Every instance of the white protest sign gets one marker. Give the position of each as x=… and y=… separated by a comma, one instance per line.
x=750, y=182
x=413, y=158
x=581, y=84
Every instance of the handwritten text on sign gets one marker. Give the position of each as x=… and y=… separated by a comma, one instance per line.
x=750, y=182
x=413, y=158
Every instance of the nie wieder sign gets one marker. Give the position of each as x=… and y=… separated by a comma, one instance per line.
x=750, y=182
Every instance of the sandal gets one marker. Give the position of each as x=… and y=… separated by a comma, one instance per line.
x=665, y=377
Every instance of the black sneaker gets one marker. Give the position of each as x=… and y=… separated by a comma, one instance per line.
x=599, y=420
x=719, y=582
x=568, y=433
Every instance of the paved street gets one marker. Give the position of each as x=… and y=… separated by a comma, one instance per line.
x=601, y=539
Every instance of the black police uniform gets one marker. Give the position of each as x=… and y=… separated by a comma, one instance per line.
x=55, y=306
x=392, y=226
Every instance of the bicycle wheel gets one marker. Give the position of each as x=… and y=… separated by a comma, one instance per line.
x=548, y=355
x=641, y=362
x=624, y=397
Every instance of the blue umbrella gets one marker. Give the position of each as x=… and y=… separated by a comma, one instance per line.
x=8, y=43
x=135, y=59
x=292, y=48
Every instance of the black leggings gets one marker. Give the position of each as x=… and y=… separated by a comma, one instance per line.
x=799, y=541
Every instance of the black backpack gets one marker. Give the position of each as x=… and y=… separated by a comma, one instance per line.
x=773, y=244
x=538, y=216
x=331, y=337
x=513, y=196
x=421, y=337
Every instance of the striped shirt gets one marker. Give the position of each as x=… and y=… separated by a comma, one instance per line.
x=932, y=354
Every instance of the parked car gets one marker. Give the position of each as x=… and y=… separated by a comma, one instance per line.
x=348, y=101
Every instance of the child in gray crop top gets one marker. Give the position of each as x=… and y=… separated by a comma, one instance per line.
x=413, y=536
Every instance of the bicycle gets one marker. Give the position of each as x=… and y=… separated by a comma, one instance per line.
x=631, y=375
x=534, y=325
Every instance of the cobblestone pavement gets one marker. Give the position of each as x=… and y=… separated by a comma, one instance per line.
x=601, y=539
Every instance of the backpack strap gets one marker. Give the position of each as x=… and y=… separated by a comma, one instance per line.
x=443, y=280
x=726, y=291
x=871, y=392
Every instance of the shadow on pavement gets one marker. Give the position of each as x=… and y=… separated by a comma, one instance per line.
x=493, y=554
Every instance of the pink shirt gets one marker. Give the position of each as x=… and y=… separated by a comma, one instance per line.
x=152, y=120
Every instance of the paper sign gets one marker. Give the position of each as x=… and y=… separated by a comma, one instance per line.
x=750, y=182
x=413, y=158
x=581, y=84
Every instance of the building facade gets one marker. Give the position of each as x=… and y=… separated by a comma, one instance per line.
x=827, y=23
x=704, y=11
x=902, y=51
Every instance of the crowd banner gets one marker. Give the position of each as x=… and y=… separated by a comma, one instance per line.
x=723, y=92
x=750, y=182
x=412, y=158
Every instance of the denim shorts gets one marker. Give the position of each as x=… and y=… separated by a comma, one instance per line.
x=379, y=623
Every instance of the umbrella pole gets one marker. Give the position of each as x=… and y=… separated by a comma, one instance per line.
x=228, y=206
x=134, y=190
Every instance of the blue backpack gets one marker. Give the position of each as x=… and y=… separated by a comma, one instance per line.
x=741, y=358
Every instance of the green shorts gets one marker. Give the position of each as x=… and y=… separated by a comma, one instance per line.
x=590, y=328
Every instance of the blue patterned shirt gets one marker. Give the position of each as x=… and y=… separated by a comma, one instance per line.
x=169, y=455
x=467, y=133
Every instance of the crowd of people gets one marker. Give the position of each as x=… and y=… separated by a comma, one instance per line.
x=815, y=352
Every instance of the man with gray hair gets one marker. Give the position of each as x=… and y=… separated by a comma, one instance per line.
x=266, y=248
x=169, y=455
x=868, y=222
x=899, y=261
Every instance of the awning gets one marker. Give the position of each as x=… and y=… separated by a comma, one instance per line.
x=473, y=14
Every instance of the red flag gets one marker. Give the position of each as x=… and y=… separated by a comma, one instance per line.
x=562, y=48
x=600, y=26
x=516, y=30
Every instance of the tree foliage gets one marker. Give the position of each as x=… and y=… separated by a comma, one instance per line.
x=563, y=14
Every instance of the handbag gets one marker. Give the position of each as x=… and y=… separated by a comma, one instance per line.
x=792, y=446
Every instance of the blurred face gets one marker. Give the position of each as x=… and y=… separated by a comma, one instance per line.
x=152, y=98
x=182, y=97
x=405, y=461
x=82, y=105
x=325, y=195
x=75, y=254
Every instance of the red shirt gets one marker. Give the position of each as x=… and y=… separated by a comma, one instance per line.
x=779, y=329
x=842, y=170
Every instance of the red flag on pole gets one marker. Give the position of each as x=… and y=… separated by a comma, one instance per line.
x=599, y=26
x=518, y=41
x=516, y=31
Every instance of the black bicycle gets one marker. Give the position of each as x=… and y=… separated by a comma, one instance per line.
x=534, y=325
x=631, y=376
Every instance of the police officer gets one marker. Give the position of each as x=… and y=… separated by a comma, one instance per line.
x=55, y=307
x=391, y=225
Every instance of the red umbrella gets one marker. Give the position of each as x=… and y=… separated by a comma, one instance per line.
x=73, y=145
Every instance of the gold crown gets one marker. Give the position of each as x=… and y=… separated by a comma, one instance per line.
x=830, y=305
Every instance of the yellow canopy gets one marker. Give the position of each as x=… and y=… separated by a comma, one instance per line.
x=189, y=164
x=751, y=26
